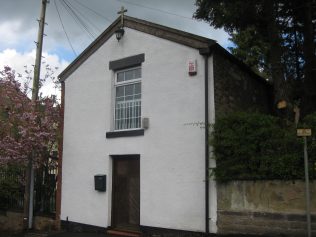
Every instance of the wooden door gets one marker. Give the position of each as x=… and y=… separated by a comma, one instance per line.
x=126, y=193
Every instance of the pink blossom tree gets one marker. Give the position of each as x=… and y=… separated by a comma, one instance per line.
x=26, y=130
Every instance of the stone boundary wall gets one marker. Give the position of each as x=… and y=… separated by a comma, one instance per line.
x=270, y=208
x=237, y=89
x=13, y=221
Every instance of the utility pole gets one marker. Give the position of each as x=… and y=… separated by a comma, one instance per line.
x=29, y=186
x=307, y=191
x=306, y=132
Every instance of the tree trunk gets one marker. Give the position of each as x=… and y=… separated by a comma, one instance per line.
x=309, y=96
x=275, y=57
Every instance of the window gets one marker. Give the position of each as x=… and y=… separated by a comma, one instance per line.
x=127, y=114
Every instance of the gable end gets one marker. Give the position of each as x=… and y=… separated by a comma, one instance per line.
x=177, y=36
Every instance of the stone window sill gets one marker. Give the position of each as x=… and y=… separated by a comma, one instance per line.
x=127, y=133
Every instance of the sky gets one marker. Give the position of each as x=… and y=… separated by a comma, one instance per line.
x=19, y=27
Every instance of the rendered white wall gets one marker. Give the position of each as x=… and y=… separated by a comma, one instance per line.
x=171, y=152
x=212, y=162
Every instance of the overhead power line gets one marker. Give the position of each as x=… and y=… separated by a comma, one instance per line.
x=95, y=12
x=62, y=24
x=79, y=15
x=77, y=19
x=84, y=18
x=156, y=9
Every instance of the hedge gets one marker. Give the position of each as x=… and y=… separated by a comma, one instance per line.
x=259, y=146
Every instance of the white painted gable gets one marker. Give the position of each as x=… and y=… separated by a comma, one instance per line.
x=171, y=152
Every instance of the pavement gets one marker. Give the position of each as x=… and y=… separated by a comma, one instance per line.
x=69, y=234
x=85, y=234
x=52, y=234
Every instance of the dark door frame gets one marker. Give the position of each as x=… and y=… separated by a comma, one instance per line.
x=115, y=157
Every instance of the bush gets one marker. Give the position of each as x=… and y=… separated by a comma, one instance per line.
x=258, y=146
x=11, y=188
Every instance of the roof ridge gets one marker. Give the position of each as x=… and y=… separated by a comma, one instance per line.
x=161, y=31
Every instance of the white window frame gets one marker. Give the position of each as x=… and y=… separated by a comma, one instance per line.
x=125, y=83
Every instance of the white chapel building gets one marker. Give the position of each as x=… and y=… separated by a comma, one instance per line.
x=132, y=157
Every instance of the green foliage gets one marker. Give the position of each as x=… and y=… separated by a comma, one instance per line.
x=257, y=146
x=252, y=50
x=275, y=38
x=11, y=187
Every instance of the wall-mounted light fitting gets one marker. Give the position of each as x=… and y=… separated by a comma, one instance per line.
x=119, y=33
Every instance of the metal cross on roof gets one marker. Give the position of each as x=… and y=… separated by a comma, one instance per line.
x=121, y=12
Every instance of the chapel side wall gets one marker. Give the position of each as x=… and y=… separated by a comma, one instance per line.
x=83, y=146
x=237, y=89
x=269, y=207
